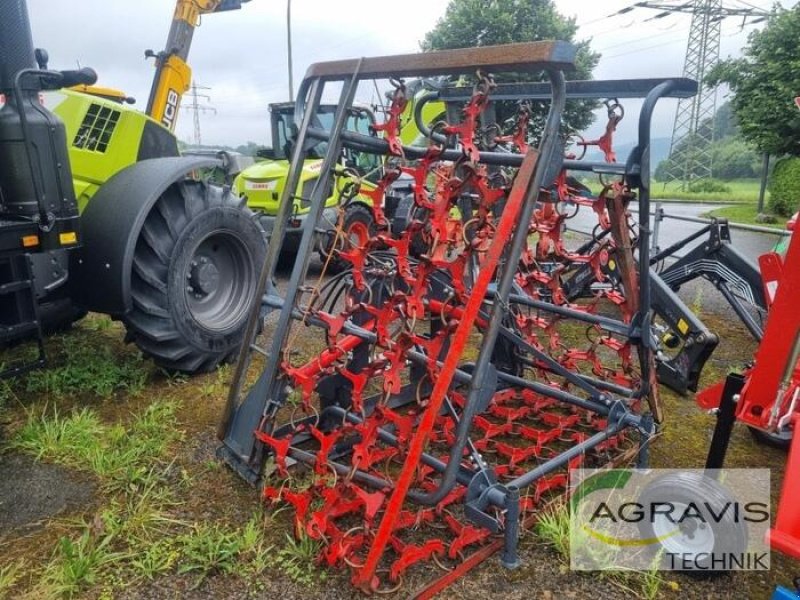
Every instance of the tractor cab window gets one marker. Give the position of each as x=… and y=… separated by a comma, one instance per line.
x=359, y=120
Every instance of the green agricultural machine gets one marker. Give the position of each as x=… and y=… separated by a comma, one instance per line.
x=99, y=212
x=262, y=183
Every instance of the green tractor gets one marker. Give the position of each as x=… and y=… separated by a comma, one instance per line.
x=262, y=183
x=173, y=257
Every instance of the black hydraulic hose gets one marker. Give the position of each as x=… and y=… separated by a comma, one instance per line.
x=419, y=121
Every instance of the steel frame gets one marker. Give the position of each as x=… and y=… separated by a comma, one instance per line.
x=248, y=429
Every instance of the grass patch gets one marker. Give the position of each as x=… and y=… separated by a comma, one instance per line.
x=295, y=558
x=552, y=527
x=138, y=535
x=739, y=190
x=746, y=213
x=9, y=576
x=78, y=564
x=6, y=392
x=86, y=365
x=209, y=550
x=122, y=456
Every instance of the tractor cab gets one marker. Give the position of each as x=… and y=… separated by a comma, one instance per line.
x=262, y=184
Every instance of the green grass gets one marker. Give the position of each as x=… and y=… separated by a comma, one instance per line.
x=209, y=549
x=296, y=558
x=122, y=456
x=79, y=564
x=9, y=576
x=552, y=527
x=746, y=213
x=85, y=365
x=138, y=534
x=741, y=190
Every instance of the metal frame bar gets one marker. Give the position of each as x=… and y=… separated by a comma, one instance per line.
x=607, y=400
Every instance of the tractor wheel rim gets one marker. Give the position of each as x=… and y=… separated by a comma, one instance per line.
x=219, y=281
x=693, y=536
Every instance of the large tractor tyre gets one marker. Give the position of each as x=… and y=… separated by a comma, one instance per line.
x=358, y=228
x=195, y=272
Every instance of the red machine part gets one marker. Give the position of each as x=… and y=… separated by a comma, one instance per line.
x=770, y=398
x=785, y=533
x=606, y=141
x=771, y=384
x=373, y=528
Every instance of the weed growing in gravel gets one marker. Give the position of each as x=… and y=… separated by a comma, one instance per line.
x=61, y=439
x=296, y=556
x=77, y=564
x=553, y=527
x=156, y=559
x=141, y=518
x=216, y=383
x=697, y=302
x=651, y=580
x=6, y=391
x=209, y=549
x=213, y=549
x=9, y=576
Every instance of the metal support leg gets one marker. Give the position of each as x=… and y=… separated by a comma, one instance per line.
x=725, y=421
x=510, y=558
x=645, y=434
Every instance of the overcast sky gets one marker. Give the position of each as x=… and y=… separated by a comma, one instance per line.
x=241, y=55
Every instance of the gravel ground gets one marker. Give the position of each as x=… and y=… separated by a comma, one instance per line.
x=32, y=492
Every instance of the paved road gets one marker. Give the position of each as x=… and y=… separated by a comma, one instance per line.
x=751, y=244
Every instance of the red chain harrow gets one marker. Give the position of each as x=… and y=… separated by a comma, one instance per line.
x=470, y=354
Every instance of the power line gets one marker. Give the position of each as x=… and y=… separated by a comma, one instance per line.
x=690, y=150
x=198, y=108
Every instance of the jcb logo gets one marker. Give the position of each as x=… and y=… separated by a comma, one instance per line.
x=171, y=109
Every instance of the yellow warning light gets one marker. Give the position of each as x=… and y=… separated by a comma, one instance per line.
x=68, y=237
x=29, y=241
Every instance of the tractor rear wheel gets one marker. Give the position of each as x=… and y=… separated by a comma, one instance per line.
x=195, y=272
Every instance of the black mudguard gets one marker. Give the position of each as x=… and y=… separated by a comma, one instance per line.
x=100, y=271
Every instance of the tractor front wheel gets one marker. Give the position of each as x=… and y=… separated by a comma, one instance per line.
x=195, y=272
